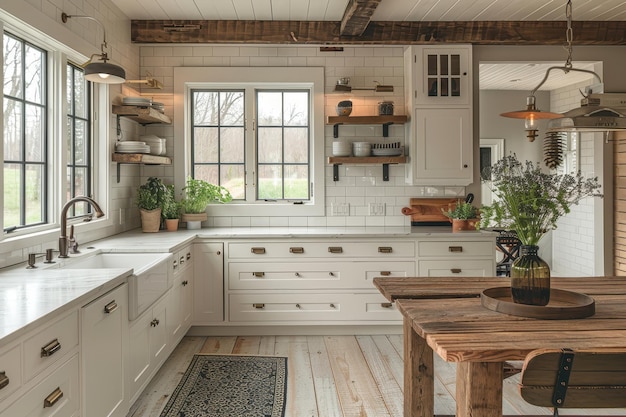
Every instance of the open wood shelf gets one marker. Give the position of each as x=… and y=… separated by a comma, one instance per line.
x=139, y=158
x=379, y=160
x=141, y=114
x=385, y=121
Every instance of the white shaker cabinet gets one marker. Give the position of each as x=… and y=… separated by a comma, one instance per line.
x=208, y=294
x=439, y=95
x=104, y=338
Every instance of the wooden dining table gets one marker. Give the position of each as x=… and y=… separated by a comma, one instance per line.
x=445, y=316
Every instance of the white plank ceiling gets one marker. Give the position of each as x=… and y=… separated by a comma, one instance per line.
x=388, y=10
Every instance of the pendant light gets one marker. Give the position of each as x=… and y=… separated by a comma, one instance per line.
x=531, y=114
x=100, y=72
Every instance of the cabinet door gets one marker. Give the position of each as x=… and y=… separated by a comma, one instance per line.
x=443, y=147
x=103, y=349
x=180, y=306
x=442, y=75
x=208, y=294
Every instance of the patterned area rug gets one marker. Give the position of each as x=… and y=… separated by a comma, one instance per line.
x=230, y=386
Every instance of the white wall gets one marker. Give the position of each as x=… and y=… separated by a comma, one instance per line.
x=359, y=185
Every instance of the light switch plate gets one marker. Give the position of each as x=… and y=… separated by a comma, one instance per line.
x=340, y=209
x=376, y=209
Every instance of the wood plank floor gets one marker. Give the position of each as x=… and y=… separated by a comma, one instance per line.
x=331, y=376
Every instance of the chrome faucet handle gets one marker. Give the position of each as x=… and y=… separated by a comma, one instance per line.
x=32, y=258
x=49, y=256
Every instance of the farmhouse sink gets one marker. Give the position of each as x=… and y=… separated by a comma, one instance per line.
x=152, y=273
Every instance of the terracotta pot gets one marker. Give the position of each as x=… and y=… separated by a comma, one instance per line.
x=462, y=225
x=150, y=220
x=171, y=225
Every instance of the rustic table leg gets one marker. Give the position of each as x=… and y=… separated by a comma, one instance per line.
x=479, y=389
x=419, y=383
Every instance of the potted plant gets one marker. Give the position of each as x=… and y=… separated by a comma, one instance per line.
x=149, y=199
x=170, y=210
x=464, y=216
x=197, y=195
x=529, y=202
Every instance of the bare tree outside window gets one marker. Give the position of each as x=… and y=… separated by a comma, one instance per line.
x=25, y=135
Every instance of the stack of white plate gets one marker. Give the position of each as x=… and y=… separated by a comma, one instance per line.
x=342, y=148
x=132, y=146
x=157, y=144
x=136, y=101
x=361, y=148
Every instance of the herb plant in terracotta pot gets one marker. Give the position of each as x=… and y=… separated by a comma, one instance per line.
x=530, y=202
x=464, y=216
x=170, y=210
x=198, y=194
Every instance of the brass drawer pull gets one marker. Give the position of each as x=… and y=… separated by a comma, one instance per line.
x=154, y=323
x=298, y=249
x=52, y=399
x=385, y=273
x=4, y=379
x=385, y=249
x=455, y=248
x=258, y=251
x=332, y=274
x=259, y=274
x=181, y=261
x=455, y=270
x=258, y=305
x=185, y=283
x=50, y=348
x=386, y=305
x=298, y=306
x=297, y=274
x=188, y=256
x=111, y=307
x=175, y=262
x=335, y=249
x=332, y=305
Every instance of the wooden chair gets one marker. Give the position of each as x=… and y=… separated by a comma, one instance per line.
x=563, y=378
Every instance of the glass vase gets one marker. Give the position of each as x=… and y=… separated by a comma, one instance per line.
x=530, y=278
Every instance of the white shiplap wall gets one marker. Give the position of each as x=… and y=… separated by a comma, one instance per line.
x=359, y=185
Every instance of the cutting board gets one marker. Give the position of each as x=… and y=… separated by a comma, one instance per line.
x=428, y=210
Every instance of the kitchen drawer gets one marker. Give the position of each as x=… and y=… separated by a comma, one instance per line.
x=61, y=388
x=10, y=362
x=457, y=268
x=453, y=249
x=326, y=250
x=309, y=275
x=286, y=307
x=49, y=343
x=375, y=307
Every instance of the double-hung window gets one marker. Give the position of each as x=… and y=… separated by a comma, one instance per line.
x=25, y=133
x=79, y=154
x=259, y=132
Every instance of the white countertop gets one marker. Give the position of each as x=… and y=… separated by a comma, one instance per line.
x=29, y=297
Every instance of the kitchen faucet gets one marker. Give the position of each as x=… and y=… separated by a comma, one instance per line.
x=63, y=241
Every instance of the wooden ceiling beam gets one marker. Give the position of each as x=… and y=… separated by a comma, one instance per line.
x=377, y=32
x=357, y=16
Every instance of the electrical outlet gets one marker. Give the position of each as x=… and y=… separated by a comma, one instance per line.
x=340, y=209
x=376, y=209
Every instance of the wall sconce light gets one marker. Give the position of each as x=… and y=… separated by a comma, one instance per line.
x=532, y=114
x=100, y=72
x=149, y=82
x=343, y=86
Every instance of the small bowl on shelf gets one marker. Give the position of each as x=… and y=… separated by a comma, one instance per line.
x=344, y=108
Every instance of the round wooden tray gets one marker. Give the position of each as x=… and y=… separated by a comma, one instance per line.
x=563, y=304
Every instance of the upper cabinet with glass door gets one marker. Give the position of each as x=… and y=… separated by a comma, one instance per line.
x=441, y=75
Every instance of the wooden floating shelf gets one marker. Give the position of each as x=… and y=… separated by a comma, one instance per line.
x=379, y=160
x=336, y=121
x=366, y=120
x=141, y=114
x=367, y=159
x=139, y=158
